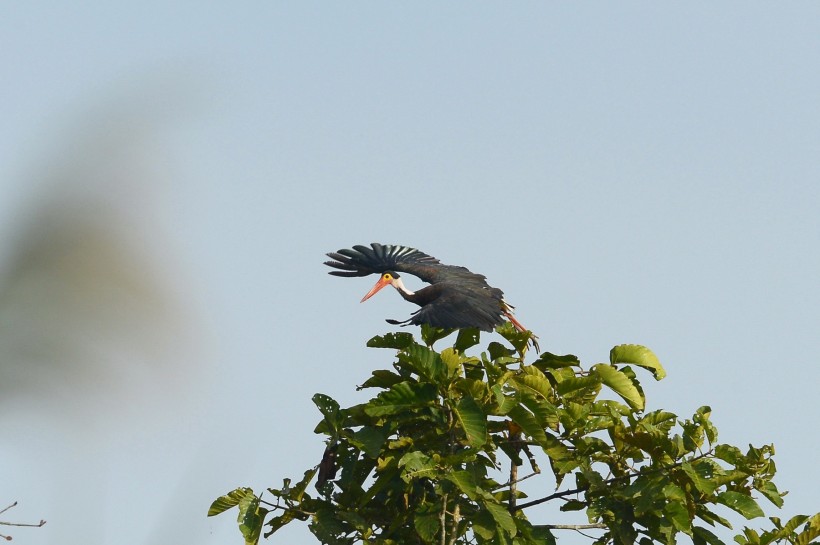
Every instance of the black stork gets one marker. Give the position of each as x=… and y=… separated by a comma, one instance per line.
x=455, y=298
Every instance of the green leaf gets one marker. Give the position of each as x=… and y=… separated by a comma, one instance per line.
x=620, y=384
x=676, y=512
x=430, y=334
x=728, y=453
x=381, y=379
x=427, y=522
x=702, y=536
x=452, y=362
x=710, y=517
x=370, y=440
x=636, y=354
x=416, y=464
x=298, y=491
x=502, y=516
x=401, y=397
x=498, y=350
x=484, y=524
x=277, y=522
x=518, y=339
x=537, y=384
x=573, y=505
x=528, y=423
x=574, y=384
x=465, y=481
x=330, y=409
x=551, y=361
x=810, y=531
x=425, y=361
x=231, y=499
x=251, y=518
x=467, y=338
x=397, y=341
x=701, y=474
x=793, y=523
x=768, y=489
x=741, y=503
x=472, y=420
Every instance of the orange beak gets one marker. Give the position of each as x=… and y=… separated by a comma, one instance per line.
x=379, y=285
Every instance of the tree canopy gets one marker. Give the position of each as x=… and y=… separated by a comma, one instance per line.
x=438, y=455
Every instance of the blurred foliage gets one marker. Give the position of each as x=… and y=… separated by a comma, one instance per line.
x=434, y=456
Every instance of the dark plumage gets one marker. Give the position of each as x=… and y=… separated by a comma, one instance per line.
x=455, y=298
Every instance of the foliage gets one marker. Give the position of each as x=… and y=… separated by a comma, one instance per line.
x=421, y=462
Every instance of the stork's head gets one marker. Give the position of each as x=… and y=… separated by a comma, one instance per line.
x=388, y=278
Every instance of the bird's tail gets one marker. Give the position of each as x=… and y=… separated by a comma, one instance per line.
x=520, y=327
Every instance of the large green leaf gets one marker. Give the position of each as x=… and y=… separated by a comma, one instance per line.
x=452, y=362
x=231, y=499
x=636, y=354
x=621, y=384
x=769, y=489
x=465, y=481
x=676, y=512
x=251, y=518
x=484, y=524
x=416, y=464
x=427, y=522
x=529, y=424
x=370, y=440
x=552, y=361
x=537, y=384
x=702, y=536
x=502, y=516
x=467, y=338
x=401, y=397
x=330, y=409
x=391, y=340
x=472, y=420
x=701, y=473
x=381, y=378
x=430, y=334
x=424, y=361
x=741, y=503
x=810, y=531
x=575, y=386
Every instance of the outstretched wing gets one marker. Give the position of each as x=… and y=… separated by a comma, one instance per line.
x=460, y=306
x=379, y=258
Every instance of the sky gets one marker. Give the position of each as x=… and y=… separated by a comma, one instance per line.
x=171, y=177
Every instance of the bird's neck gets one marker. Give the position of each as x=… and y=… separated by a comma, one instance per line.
x=399, y=285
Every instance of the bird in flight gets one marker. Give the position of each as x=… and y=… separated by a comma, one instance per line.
x=455, y=298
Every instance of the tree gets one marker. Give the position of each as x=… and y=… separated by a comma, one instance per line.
x=421, y=462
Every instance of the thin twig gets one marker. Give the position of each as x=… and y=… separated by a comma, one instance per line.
x=551, y=497
x=508, y=483
x=596, y=526
x=18, y=523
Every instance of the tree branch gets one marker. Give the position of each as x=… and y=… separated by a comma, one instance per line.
x=612, y=480
x=551, y=497
x=596, y=526
x=19, y=524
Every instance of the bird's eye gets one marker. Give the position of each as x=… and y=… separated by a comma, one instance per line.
x=387, y=276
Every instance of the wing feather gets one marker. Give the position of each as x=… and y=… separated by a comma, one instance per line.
x=379, y=258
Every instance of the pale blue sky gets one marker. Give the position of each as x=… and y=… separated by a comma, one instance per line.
x=626, y=172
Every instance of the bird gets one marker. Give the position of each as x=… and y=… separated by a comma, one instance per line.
x=456, y=297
